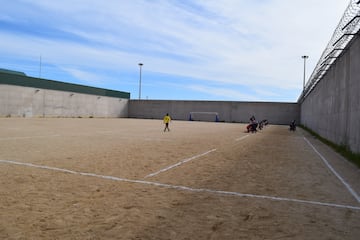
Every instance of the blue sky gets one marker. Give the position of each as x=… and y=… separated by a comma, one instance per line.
x=228, y=50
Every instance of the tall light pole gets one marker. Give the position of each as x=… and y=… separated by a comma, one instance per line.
x=40, y=68
x=304, y=57
x=140, y=65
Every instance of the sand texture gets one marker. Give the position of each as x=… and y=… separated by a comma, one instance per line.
x=127, y=179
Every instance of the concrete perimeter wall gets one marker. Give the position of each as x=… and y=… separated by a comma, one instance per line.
x=19, y=101
x=332, y=109
x=26, y=101
x=275, y=113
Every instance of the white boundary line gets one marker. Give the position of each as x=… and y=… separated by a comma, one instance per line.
x=356, y=196
x=179, y=163
x=184, y=188
x=241, y=138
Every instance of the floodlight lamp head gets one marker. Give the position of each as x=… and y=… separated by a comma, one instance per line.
x=140, y=64
x=305, y=56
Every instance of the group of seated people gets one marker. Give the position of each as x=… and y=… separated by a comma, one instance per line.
x=254, y=125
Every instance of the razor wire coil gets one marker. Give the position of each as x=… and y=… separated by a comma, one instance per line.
x=348, y=27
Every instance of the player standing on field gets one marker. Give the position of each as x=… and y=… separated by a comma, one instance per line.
x=167, y=120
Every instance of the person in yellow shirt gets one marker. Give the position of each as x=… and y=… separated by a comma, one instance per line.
x=167, y=120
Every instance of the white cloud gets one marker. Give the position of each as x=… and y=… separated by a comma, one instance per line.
x=253, y=43
x=223, y=93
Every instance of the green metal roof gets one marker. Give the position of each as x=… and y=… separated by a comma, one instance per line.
x=20, y=79
x=2, y=70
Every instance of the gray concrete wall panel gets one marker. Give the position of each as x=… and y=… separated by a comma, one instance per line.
x=332, y=109
x=276, y=113
x=20, y=101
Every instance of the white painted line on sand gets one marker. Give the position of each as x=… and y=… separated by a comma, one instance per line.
x=39, y=166
x=179, y=163
x=356, y=196
x=241, y=138
x=184, y=188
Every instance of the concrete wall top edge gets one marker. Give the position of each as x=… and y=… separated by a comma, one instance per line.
x=210, y=101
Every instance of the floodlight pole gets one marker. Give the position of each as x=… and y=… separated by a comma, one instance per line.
x=304, y=57
x=140, y=65
x=40, y=67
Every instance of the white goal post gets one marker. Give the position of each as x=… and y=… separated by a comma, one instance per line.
x=204, y=116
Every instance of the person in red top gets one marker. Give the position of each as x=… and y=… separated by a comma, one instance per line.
x=252, y=125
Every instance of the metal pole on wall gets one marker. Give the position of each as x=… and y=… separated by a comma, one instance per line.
x=304, y=57
x=43, y=102
x=40, y=67
x=140, y=65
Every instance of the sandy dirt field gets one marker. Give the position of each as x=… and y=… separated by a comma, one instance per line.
x=127, y=179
